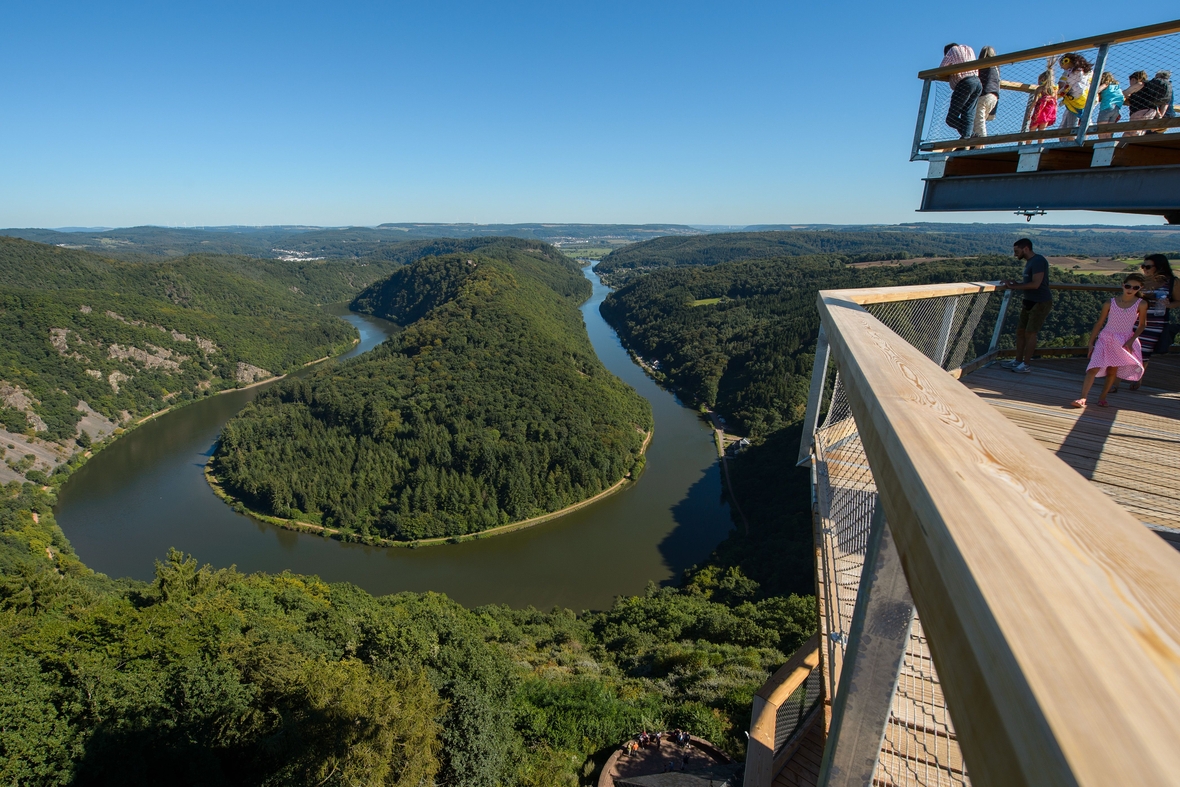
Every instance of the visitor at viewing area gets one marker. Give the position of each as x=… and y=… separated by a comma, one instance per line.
x=1038, y=301
x=989, y=81
x=1041, y=112
x=1110, y=101
x=1074, y=86
x=1115, y=351
x=1143, y=99
x=1169, y=106
x=965, y=90
x=1160, y=293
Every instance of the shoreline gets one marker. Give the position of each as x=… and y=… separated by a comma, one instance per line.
x=119, y=431
x=313, y=529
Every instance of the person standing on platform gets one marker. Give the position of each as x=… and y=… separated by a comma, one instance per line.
x=1038, y=300
x=1169, y=105
x=1161, y=290
x=965, y=90
x=989, y=80
x=1074, y=87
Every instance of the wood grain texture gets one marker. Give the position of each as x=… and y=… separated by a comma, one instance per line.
x=1052, y=614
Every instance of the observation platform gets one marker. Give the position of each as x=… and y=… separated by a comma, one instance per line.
x=1126, y=166
x=997, y=593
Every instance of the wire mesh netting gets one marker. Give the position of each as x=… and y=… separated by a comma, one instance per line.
x=943, y=329
x=920, y=746
x=1014, y=109
x=795, y=709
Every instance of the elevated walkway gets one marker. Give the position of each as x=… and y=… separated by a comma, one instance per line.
x=995, y=603
x=1128, y=166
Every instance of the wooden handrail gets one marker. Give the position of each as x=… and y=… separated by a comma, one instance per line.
x=1053, y=616
x=914, y=292
x=760, y=754
x=1092, y=42
x=790, y=676
x=1054, y=133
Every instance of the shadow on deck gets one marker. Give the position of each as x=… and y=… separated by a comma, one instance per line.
x=1130, y=450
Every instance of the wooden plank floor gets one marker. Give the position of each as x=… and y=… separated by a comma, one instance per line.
x=1130, y=450
x=802, y=770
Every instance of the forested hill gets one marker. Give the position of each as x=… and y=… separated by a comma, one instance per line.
x=490, y=407
x=856, y=246
x=740, y=336
x=88, y=343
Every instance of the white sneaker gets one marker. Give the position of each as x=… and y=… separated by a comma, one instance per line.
x=1008, y=364
x=1022, y=368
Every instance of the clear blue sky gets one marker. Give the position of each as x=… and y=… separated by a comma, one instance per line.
x=346, y=113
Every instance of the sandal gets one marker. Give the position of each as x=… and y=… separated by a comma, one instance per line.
x=1078, y=403
x=1135, y=385
x=1102, y=403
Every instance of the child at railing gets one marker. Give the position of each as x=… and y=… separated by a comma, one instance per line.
x=1110, y=101
x=1044, y=110
x=1114, y=347
x=1076, y=72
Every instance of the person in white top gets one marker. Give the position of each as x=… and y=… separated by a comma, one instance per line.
x=1074, y=87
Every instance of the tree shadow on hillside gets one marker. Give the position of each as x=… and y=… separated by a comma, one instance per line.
x=701, y=524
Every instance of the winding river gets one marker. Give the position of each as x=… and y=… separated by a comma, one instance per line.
x=146, y=492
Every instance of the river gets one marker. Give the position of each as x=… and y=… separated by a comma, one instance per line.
x=147, y=492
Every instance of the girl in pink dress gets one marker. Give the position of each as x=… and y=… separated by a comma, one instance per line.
x=1115, y=352
x=1044, y=107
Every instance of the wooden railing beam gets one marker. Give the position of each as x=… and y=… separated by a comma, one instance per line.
x=1092, y=42
x=1051, y=613
x=785, y=681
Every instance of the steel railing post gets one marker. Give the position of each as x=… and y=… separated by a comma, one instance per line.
x=815, y=395
x=944, y=331
x=877, y=641
x=922, y=109
x=1095, y=78
x=1000, y=321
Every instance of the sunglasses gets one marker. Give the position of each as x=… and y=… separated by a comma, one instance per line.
x=1131, y=287
x=1147, y=267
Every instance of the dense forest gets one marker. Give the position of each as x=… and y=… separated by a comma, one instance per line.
x=740, y=336
x=81, y=333
x=213, y=677
x=861, y=245
x=489, y=408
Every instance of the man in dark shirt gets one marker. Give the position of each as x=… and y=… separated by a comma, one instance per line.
x=1038, y=300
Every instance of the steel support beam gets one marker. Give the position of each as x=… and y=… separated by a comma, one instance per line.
x=1147, y=190
x=877, y=640
x=815, y=396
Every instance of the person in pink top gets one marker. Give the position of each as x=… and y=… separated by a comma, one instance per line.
x=1114, y=348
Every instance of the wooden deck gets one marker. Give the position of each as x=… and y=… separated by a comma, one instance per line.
x=1130, y=450
x=802, y=769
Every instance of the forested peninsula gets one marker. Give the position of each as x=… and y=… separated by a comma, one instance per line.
x=490, y=407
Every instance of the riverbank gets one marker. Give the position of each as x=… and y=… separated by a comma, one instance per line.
x=331, y=532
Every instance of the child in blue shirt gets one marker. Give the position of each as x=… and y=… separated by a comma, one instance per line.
x=1110, y=101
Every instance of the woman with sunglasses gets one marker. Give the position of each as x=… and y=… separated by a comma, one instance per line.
x=1114, y=341
x=1160, y=290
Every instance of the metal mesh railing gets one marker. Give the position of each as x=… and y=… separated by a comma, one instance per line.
x=920, y=746
x=944, y=329
x=796, y=709
x=1014, y=110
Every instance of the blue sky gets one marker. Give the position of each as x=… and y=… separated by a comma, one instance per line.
x=347, y=113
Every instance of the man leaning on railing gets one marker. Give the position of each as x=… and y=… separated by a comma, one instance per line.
x=965, y=87
x=1038, y=301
